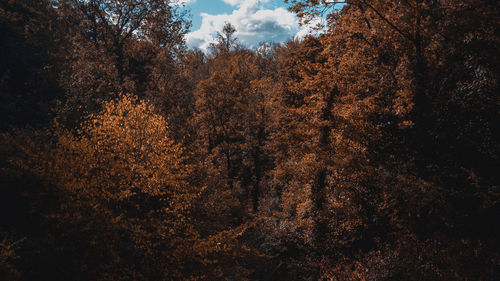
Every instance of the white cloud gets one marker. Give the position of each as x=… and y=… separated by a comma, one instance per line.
x=240, y=2
x=253, y=22
x=182, y=2
x=315, y=26
x=234, y=2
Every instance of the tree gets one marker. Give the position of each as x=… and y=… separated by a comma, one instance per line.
x=365, y=153
x=8, y=256
x=119, y=47
x=226, y=41
x=124, y=194
x=391, y=62
x=231, y=116
x=318, y=144
x=28, y=72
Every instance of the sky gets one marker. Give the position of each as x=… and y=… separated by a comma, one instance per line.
x=256, y=21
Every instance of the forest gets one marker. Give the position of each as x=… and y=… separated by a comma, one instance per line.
x=367, y=152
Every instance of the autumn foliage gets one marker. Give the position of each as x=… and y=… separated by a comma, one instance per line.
x=369, y=152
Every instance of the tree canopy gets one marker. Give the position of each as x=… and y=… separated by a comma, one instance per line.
x=367, y=152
